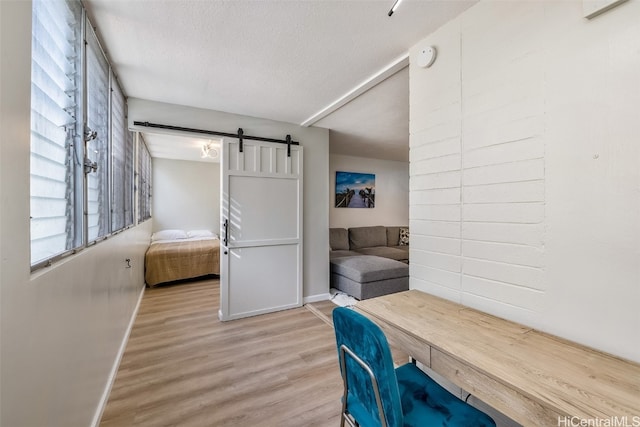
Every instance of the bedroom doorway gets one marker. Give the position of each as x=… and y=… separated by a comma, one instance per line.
x=261, y=228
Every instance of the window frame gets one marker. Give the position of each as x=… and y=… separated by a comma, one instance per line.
x=127, y=166
x=78, y=220
x=73, y=166
x=144, y=182
x=103, y=160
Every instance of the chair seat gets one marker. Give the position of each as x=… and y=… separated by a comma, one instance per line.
x=374, y=390
x=426, y=403
x=360, y=413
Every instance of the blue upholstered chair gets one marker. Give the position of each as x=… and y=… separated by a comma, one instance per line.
x=378, y=395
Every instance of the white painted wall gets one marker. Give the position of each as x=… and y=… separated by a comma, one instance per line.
x=186, y=195
x=61, y=327
x=525, y=168
x=316, y=169
x=392, y=192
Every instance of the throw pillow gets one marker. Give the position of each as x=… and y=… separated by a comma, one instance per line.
x=200, y=233
x=168, y=235
x=404, y=237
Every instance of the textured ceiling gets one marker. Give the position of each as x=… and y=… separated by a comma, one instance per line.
x=279, y=60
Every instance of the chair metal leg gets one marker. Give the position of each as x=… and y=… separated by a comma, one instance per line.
x=343, y=368
x=374, y=382
x=351, y=422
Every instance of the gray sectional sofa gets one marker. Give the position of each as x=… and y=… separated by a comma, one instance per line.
x=374, y=240
x=367, y=262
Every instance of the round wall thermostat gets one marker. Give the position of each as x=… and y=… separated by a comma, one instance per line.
x=426, y=56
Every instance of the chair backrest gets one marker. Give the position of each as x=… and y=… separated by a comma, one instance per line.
x=367, y=341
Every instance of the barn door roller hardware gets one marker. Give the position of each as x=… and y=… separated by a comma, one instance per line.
x=240, y=136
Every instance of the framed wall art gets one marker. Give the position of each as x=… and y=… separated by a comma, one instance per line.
x=355, y=190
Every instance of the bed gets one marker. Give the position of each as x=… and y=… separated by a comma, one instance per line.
x=177, y=255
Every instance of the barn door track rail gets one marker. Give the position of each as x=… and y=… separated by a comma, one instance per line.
x=239, y=135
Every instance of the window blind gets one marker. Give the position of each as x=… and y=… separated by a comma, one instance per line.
x=97, y=148
x=55, y=128
x=144, y=182
x=129, y=176
x=119, y=141
x=78, y=125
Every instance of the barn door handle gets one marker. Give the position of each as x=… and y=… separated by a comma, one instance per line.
x=226, y=232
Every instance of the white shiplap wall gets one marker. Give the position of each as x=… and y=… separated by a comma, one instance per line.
x=435, y=182
x=514, y=208
x=502, y=143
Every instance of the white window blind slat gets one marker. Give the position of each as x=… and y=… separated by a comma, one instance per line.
x=48, y=86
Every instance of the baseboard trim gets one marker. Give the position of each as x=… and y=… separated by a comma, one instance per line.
x=114, y=369
x=316, y=298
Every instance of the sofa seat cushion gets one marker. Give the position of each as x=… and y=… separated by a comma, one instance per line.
x=386, y=252
x=403, y=248
x=369, y=289
x=366, y=268
x=341, y=254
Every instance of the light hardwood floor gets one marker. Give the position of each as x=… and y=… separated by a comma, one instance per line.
x=183, y=367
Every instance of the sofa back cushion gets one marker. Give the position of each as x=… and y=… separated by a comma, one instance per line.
x=393, y=235
x=367, y=237
x=339, y=239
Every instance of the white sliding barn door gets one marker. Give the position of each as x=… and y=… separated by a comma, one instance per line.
x=261, y=229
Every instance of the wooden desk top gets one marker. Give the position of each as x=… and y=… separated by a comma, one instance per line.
x=565, y=378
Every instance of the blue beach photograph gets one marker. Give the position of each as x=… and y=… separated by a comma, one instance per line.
x=355, y=190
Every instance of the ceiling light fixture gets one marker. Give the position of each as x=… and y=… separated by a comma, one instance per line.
x=209, y=151
x=394, y=7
